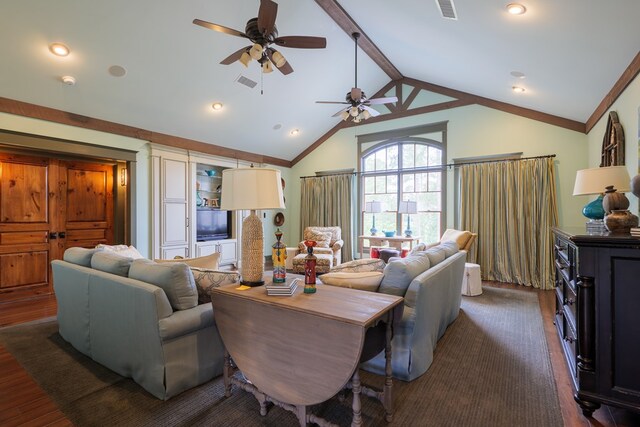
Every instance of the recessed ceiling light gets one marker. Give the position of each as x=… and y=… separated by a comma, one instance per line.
x=217, y=106
x=518, y=74
x=518, y=89
x=59, y=49
x=294, y=132
x=516, y=9
x=68, y=80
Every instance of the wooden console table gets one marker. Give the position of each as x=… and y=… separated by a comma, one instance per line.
x=395, y=242
x=302, y=350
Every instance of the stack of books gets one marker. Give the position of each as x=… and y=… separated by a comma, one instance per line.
x=282, y=289
x=635, y=231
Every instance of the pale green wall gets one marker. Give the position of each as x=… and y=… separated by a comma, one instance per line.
x=471, y=131
x=628, y=108
x=142, y=237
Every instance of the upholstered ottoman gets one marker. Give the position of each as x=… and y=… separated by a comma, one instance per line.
x=471, y=281
x=387, y=253
x=324, y=262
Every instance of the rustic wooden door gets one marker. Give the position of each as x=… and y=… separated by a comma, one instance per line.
x=86, y=208
x=47, y=205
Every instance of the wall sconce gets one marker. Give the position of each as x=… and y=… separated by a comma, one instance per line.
x=124, y=179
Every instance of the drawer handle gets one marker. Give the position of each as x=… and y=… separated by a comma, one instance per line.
x=569, y=301
x=569, y=340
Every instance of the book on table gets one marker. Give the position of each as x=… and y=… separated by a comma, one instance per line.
x=282, y=288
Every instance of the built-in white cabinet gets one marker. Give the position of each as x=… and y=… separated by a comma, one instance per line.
x=226, y=248
x=171, y=194
x=186, y=188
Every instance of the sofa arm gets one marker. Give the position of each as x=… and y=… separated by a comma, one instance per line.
x=183, y=322
x=337, y=245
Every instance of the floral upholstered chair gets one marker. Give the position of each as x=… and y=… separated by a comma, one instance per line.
x=328, y=248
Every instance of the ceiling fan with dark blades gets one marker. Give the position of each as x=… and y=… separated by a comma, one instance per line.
x=358, y=104
x=262, y=32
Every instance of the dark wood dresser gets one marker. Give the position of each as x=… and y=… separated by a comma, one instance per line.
x=598, y=315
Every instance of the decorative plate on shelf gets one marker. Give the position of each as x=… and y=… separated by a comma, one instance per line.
x=278, y=220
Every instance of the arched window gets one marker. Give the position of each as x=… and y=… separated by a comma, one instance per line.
x=404, y=169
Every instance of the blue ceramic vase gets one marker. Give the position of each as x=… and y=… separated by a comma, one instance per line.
x=594, y=209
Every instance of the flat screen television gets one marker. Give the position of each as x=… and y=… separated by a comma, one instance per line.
x=212, y=224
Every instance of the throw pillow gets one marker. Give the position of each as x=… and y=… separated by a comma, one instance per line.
x=460, y=237
x=360, y=265
x=208, y=261
x=450, y=248
x=206, y=279
x=399, y=273
x=321, y=238
x=79, y=256
x=436, y=255
x=365, y=281
x=122, y=250
x=175, y=279
x=111, y=262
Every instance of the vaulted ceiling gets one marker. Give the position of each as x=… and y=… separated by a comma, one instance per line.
x=571, y=52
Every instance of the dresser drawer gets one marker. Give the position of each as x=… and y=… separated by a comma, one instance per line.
x=570, y=304
x=569, y=343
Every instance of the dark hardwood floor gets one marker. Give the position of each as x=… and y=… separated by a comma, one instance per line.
x=22, y=402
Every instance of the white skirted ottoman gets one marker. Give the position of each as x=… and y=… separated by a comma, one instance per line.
x=471, y=281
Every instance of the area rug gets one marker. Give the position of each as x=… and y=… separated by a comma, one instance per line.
x=491, y=368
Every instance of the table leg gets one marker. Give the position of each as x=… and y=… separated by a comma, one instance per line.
x=226, y=373
x=387, y=401
x=301, y=412
x=357, y=405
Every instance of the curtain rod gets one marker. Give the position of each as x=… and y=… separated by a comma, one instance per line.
x=448, y=165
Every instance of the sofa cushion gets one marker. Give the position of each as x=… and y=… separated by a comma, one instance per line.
x=360, y=265
x=436, y=255
x=208, y=261
x=399, y=273
x=175, y=279
x=122, y=250
x=110, y=262
x=460, y=237
x=365, y=281
x=450, y=247
x=322, y=238
x=79, y=256
x=207, y=279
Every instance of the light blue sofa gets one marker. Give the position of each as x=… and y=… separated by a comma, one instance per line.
x=130, y=325
x=430, y=282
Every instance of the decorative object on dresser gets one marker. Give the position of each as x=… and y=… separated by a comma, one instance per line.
x=613, y=181
x=373, y=207
x=252, y=189
x=279, y=256
x=310, y=268
x=597, y=317
x=408, y=207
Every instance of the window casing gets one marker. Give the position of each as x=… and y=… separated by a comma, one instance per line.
x=405, y=168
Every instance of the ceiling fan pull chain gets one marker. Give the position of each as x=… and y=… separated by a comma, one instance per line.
x=261, y=81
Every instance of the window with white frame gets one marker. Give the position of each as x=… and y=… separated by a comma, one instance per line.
x=404, y=169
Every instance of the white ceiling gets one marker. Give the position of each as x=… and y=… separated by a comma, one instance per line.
x=572, y=52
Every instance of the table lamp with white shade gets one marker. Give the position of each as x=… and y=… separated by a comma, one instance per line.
x=373, y=207
x=251, y=189
x=610, y=183
x=408, y=207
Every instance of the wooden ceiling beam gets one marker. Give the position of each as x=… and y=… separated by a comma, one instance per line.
x=346, y=22
x=25, y=109
x=627, y=77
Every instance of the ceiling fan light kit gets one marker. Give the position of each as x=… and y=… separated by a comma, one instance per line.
x=359, y=105
x=262, y=32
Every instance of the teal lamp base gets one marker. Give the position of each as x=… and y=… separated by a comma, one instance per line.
x=594, y=211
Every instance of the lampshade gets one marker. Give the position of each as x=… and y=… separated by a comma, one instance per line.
x=256, y=51
x=251, y=188
x=245, y=59
x=408, y=207
x=594, y=180
x=373, y=207
x=266, y=67
x=278, y=59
